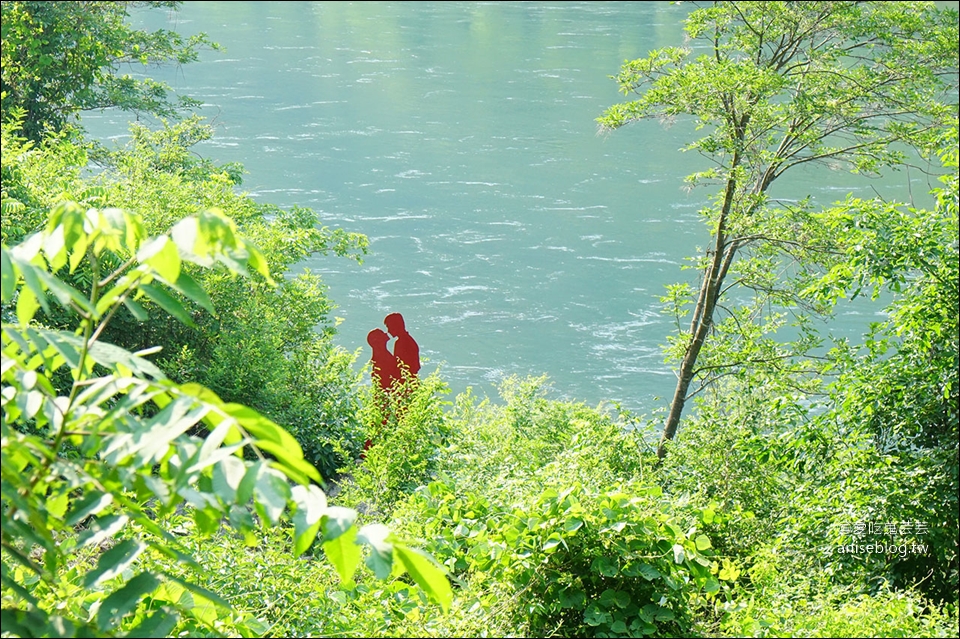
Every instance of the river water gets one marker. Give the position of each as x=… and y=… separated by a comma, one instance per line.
x=461, y=139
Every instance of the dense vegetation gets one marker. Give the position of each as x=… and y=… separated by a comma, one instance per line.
x=158, y=491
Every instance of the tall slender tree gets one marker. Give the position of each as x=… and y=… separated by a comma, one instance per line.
x=776, y=86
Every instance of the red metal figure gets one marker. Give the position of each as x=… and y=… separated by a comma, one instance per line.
x=405, y=349
x=386, y=366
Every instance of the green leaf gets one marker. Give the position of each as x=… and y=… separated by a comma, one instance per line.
x=426, y=573
x=113, y=562
x=67, y=344
x=193, y=291
x=241, y=518
x=20, y=623
x=124, y=600
x=576, y=599
x=161, y=254
x=90, y=504
x=664, y=614
x=729, y=571
x=259, y=262
x=57, y=505
x=159, y=624
x=7, y=582
x=606, y=566
x=207, y=520
x=275, y=440
x=610, y=598
x=136, y=310
x=703, y=543
x=27, y=306
x=711, y=585
x=192, y=244
x=8, y=277
x=227, y=476
x=573, y=524
x=311, y=506
x=552, y=542
x=109, y=356
x=648, y=572
x=380, y=559
x=65, y=293
x=166, y=301
x=342, y=548
x=338, y=520
x=271, y=493
x=200, y=591
x=594, y=616
x=31, y=277
x=92, y=194
x=248, y=483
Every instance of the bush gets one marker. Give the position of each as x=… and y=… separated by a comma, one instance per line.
x=268, y=347
x=407, y=428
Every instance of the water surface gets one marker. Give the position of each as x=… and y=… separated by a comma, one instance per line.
x=461, y=139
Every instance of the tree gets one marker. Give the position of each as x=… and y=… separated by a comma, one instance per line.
x=60, y=58
x=783, y=85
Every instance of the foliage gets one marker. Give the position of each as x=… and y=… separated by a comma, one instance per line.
x=60, y=58
x=851, y=489
x=911, y=397
x=577, y=562
x=841, y=614
x=534, y=511
x=268, y=347
x=896, y=406
x=90, y=474
x=507, y=446
x=159, y=491
x=783, y=85
x=407, y=427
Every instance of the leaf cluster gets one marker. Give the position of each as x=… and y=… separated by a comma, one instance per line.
x=91, y=473
x=60, y=58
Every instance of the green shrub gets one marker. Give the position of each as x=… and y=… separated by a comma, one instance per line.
x=268, y=347
x=92, y=473
x=407, y=428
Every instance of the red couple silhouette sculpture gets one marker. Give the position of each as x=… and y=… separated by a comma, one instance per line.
x=403, y=363
x=391, y=371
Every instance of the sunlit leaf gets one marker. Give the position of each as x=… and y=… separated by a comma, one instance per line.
x=27, y=306
x=8, y=277
x=426, y=573
x=161, y=254
x=113, y=562
x=380, y=559
x=90, y=504
x=343, y=551
x=227, y=475
x=703, y=543
x=125, y=599
x=271, y=493
x=678, y=554
x=311, y=505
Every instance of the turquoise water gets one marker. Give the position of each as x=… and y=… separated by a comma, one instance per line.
x=460, y=137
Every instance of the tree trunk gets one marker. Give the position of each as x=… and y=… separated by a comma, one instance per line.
x=723, y=254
